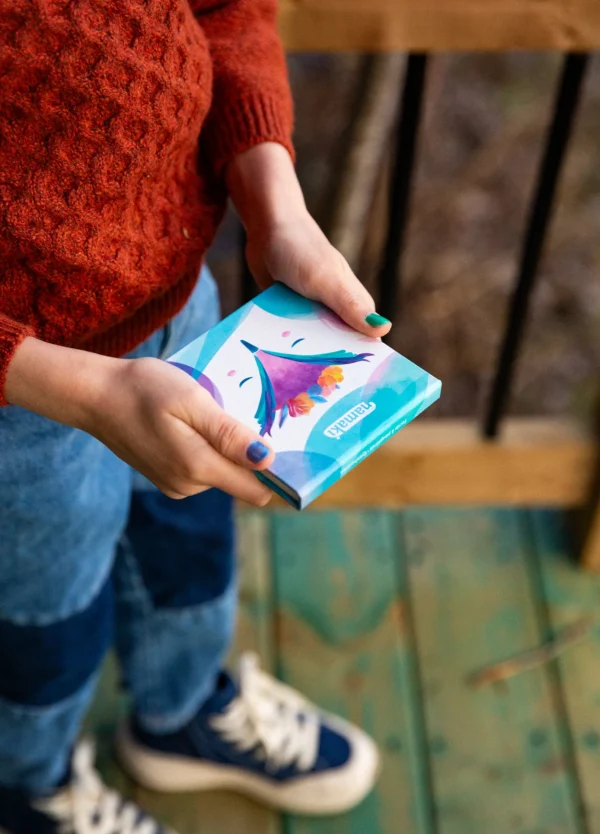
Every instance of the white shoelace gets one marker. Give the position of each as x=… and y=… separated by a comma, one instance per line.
x=87, y=806
x=271, y=717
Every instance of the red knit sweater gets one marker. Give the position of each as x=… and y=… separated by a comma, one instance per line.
x=116, y=119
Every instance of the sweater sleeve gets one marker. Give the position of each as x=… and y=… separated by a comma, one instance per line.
x=252, y=101
x=12, y=334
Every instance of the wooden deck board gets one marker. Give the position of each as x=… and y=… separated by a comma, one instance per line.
x=496, y=754
x=571, y=594
x=331, y=601
x=343, y=642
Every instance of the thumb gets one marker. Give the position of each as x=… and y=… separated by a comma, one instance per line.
x=343, y=293
x=228, y=436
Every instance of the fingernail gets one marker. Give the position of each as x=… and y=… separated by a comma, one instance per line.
x=375, y=320
x=257, y=451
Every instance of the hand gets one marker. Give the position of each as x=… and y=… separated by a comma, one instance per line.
x=286, y=245
x=298, y=254
x=152, y=415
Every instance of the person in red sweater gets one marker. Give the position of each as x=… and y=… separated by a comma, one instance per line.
x=124, y=127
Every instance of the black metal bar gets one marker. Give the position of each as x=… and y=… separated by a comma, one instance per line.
x=401, y=182
x=565, y=107
x=248, y=284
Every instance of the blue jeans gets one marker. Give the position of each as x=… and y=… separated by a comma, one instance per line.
x=90, y=555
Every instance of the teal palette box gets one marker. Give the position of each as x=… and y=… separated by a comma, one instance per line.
x=324, y=395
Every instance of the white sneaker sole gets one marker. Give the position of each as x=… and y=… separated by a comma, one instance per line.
x=332, y=792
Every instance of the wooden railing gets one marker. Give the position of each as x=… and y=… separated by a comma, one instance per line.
x=439, y=25
x=524, y=461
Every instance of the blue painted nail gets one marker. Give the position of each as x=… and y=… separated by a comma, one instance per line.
x=257, y=451
x=375, y=320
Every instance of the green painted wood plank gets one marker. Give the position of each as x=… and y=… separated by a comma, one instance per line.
x=343, y=642
x=220, y=812
x=256, y=628
x=496, y=757
x=570, y=594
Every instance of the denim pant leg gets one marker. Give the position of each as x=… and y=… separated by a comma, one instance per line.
x=174, y=576
x=63, y=506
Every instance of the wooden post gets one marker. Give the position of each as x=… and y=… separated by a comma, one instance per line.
x=369, y=134
x=590, y=551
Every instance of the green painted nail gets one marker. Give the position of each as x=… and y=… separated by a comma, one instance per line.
x=375, y=320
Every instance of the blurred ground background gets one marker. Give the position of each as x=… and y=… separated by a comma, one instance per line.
x=484, y=123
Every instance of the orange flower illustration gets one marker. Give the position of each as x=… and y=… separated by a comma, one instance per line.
x=302, y=404
x=332, y=375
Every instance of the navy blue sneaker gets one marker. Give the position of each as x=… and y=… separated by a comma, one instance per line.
x=260, y=738
x=83, y=805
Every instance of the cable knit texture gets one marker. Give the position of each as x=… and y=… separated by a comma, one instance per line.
x=116, y=120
